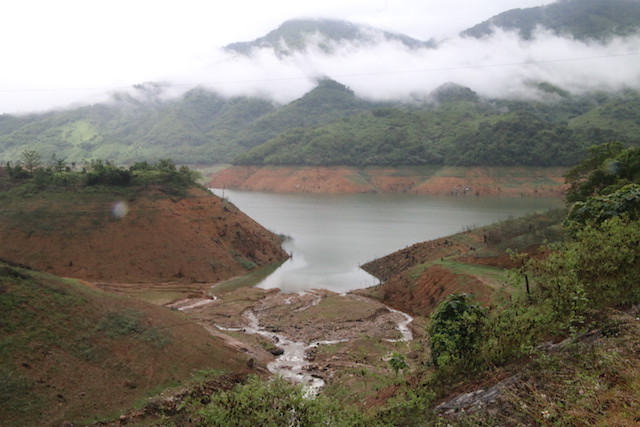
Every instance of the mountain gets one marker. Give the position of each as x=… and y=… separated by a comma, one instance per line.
x=198, y=127
x=299, y=35
x=580, y=19
x=460, y=128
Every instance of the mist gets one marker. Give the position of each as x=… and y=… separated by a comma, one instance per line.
x=499, y=66
x=502, y=65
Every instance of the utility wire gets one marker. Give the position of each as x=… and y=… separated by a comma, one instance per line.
x=335, y=76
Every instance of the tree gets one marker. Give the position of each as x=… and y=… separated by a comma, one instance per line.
x=456, y=330
x=397, y=362
x=30, y=160
x=59, y=165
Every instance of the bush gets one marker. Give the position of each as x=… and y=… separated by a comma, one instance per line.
x=275, y=403
x=456, y=330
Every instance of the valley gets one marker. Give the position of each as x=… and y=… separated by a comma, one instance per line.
x=331, y=223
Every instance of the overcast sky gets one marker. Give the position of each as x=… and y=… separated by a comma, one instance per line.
x=57, y=52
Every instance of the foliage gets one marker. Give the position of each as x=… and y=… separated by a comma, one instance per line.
x=30, y=160
x=408, y=407
x=164, y=174
x=459, y=129
x=329, y=126
x=275, y=403
x=398, y=362
x=600, y=169
x=597, y=209
x=456, y=330
x=105, y=173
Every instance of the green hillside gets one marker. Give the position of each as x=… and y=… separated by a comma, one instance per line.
x=331, y=126
x=69, y=351
x=460, y=128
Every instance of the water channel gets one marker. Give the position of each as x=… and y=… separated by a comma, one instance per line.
x=330, y=236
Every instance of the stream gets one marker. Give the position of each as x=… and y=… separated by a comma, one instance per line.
x=292, y=364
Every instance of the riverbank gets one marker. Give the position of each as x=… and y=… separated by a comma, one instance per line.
x=428, y=180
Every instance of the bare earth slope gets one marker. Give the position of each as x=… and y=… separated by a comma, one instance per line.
x=72, y=352
x=416, y=279
x=479, y=181
x=199, y=238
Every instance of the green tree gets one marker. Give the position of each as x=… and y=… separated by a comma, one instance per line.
x=398, y=362
x=59, y=165
x=597, y=209
x=30, y=160
x=456, y=330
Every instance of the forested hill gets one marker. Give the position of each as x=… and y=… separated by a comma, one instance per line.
x=460, y=128
x=296, y=35
x=580, y=19
x=331, y=126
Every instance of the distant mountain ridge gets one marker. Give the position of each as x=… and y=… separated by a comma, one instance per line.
x=298, y=35
x=580, y=19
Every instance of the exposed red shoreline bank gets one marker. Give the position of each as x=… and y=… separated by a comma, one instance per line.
x=428, y=180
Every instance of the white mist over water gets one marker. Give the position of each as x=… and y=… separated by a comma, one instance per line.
x=332, y=235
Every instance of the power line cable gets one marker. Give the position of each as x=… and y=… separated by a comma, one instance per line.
x=335, y=76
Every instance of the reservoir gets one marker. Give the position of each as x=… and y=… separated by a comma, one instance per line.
x=329, y=236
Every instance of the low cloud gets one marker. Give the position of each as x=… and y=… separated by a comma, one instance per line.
x=502, y=65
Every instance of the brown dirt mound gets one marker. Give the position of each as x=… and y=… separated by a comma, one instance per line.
x=199, y=238
x=419, y=296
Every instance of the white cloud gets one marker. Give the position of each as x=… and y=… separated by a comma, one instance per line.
x=68, y=51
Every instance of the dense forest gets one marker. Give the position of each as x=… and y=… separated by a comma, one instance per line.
x=331, y=126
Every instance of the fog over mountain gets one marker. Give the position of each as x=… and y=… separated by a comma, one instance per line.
x=499, y=65
x=286, y=62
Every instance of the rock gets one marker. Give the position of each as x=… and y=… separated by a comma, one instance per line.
x=276, y=351
x=475, y=400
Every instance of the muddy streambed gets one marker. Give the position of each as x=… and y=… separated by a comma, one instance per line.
x=305, y=337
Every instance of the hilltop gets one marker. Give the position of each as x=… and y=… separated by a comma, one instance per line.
x=131, y=233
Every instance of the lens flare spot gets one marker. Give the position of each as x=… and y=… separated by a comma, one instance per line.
x=120, y=209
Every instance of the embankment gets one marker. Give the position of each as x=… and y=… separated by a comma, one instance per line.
x=153, y=238
x=428, y=180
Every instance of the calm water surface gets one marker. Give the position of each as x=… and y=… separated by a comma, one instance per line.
x=332, y=235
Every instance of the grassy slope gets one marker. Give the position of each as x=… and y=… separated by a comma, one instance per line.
x=69, y=351
x=419, y=277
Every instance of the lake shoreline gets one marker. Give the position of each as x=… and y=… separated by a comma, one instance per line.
x=506, y=181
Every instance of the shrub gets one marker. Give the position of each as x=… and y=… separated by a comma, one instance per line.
x=275, y=403
x=456, y=330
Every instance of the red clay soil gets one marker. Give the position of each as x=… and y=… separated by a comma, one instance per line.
x=419, y=296
x=477, y=181
x=199, y=238
x=397, y=262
